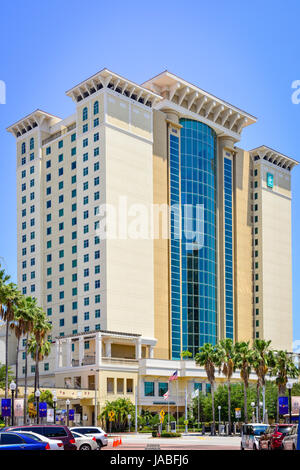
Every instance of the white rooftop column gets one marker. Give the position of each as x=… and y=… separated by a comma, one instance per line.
x=138, y=348
x=98, y=341
x=108, y=348
x=69, y=352
x=80, y=350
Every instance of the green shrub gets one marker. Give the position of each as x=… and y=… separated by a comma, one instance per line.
x=170, y=434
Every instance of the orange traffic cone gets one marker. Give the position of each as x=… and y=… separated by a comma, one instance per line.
x=114, y=442
x=120, y=441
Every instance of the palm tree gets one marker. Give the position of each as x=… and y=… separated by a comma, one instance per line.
x=29, y=315
x=283, y=368
x=9, y=299
x=261, y=361
x=38, y=344
x=209, y=358
x=23, y=324
x=121, y=408
x=244, y=360
x=39, y=349
x=226, y=353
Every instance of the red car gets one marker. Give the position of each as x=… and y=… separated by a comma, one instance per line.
x=61, y=433
x=273, y=437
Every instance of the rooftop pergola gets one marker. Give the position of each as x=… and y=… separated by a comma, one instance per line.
x=107, y=79
x=35, y=119
x=266, y=153
x=191, y=101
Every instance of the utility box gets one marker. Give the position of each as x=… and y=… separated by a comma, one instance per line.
x=173, y=426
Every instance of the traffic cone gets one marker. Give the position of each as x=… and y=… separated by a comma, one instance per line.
x=120, y=441
x=114, y=442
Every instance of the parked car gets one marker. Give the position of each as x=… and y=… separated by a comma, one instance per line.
x=61, y=433
x=85, y=442
x=19, y=441
x=290, y=440
x=273, y=437
x=250, y=435
x=53, y=443
x=93, y=431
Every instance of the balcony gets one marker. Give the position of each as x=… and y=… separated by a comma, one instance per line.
x=119, y=360
x=86, y=361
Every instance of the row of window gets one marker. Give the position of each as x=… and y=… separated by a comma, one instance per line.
x=162, y=388
x=85, y=113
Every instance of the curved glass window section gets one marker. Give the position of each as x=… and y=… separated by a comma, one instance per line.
x=198, y=242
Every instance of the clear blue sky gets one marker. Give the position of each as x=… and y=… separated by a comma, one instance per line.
x=245, y=52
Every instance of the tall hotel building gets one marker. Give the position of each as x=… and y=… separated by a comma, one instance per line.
x=165, y=142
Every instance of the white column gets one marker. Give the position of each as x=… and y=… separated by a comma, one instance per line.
x=69, y=352
x=151, y=352
x=57, y=354
x=138, y=349
x=108, y=348
x=98, y=341
x=80, y=350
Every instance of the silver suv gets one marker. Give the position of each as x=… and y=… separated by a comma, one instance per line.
x=93, y=431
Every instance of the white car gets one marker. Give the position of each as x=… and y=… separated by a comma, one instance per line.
x=53, y=443
x=92, y=431
x=251, y=435
x=290, y=440
x=85, y=442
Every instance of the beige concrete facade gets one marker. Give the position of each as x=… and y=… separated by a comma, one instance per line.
x=243, y=247
x=114, y=152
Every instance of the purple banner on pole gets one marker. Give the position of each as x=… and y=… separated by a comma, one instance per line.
x=71, y=415
x=283, y=405
x=43, y=409
x=6, y=407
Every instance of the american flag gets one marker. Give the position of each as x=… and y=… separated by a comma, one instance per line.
x=166, y=395
x=174, y=376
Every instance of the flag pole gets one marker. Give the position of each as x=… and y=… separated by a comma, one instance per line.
x=177, y=402
x=169, y=408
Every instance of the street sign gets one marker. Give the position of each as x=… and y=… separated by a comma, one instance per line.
x=162, y=416
x=111, y=415
x=238, y=413
x=50, y=415
x=77, y=418
x=84, y=418
x=43, y=409
x=6, y=407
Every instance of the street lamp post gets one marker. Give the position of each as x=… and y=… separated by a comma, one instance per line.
x=253, y=406
x=12, y=387
x=219, y=408
x=68, y=408
x=54, y=407
x=289, y=386
x=37, y=396
x=261, y=407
